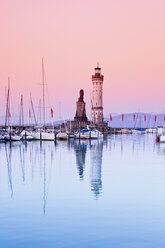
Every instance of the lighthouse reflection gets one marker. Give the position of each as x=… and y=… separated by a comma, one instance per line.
x=80, y=150
x=96, y=154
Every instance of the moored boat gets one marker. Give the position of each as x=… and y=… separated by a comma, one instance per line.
x=62, y=136
x=43, y=135
x=96, y=134
x=83, y=134
x=71, y=136
x=26, y=135
x=1, y=137
x=12, y=137
x=89, y=133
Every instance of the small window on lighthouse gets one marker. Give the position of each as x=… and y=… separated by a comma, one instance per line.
x=96, y=103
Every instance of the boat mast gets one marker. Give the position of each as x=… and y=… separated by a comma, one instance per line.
x=33, y=109
x=7, y=119
x=43, y=84
x=21, y=120
x=9, y=102
x=93, y=112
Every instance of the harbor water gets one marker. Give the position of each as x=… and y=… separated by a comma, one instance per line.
x=73, y=194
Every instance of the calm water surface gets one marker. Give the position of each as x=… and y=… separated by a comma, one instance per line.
x=87, y=194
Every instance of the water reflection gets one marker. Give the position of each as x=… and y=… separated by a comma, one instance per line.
x=96, y=153
x=36, y=160
x=22, y=161
x=161, y=149
x=9, y=168
x=46, y=169
x=80, y=151
x=44, y=183
x=48, y=193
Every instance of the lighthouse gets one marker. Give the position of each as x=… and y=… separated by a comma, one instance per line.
x=97, y=97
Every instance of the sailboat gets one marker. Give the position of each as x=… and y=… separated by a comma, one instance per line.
x=10, y=135
x=70, y=134
x=62, y=135
x=41, y=133
x=90, y=132
x=138, y=130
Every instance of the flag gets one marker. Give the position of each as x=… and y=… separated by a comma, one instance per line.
x=144, y=117
x=9, y=115
x=164, y=118
x=122, y=117
x=51, y=113
x=110, y=117
x=155, y=118
x=134, y=117
x=30, y=115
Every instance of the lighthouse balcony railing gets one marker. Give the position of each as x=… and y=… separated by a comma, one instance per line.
x=97, y=76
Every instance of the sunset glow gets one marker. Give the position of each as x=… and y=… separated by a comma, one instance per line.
x=126, y=37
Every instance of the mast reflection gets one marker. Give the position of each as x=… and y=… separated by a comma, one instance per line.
x=9, y=168
x=22, y=161
x=46, y=165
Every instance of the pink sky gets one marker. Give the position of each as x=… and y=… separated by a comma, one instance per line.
x=126, y=36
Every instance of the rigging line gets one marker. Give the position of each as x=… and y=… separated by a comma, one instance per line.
x=4, y=103
x=93, y=111
x=7, y=108
x=149, y=120
x=39, y=112
x=136, y=119
x=49, y=105
x=11, y=105
x=32, y=106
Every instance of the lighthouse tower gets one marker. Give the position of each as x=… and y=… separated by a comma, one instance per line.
x=97, y=97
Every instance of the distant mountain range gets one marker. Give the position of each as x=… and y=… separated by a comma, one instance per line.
x=15, y=121
x=117, y=122
x=142, y=120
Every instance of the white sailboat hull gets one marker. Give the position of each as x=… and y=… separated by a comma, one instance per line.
x=1, y=137
x=62, y=136
x=43, y=136
x=28, y=137
x=82, y=135
x=94, y=134
x=12, y=137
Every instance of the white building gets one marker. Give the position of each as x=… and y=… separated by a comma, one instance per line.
x=97, y=97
